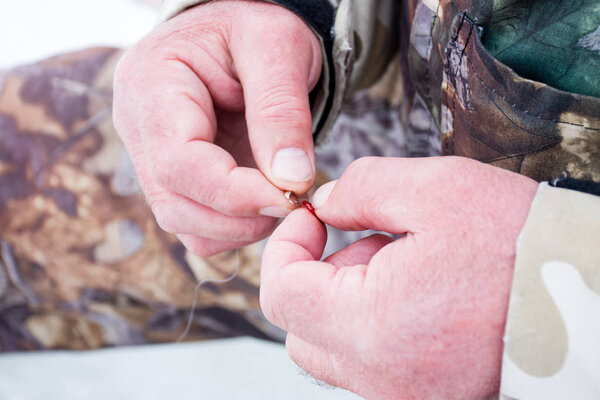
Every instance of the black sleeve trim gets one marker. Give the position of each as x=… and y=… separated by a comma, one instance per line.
x=320, y=15
x=580, y=185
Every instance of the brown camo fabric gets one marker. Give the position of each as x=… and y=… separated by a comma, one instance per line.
x=83, y=263
x=482, y=109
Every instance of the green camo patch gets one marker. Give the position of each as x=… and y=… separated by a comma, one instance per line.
x=552, y=41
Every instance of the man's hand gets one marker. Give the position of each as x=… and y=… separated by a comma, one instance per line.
x=419, y=317
x=213, y=108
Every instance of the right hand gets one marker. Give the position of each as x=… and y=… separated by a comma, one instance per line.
x=213, y=108
x=419, y=317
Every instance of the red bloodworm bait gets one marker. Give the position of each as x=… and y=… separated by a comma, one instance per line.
x=310, y=208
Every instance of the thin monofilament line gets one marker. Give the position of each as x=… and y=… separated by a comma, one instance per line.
x=202, y=282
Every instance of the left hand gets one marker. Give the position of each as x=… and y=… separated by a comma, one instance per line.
x=419, y=317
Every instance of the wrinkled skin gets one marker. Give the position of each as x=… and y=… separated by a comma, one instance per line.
x=419, y=317
x=204, y=103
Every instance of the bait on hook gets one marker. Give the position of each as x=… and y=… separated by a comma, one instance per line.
x=291, y=197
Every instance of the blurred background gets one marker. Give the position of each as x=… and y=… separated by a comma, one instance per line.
x=239, y=368
x=36, y=29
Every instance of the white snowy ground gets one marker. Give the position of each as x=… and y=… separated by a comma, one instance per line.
x=238, y=369
x=231, y=369
x=35, y=29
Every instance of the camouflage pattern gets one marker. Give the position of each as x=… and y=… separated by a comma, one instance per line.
x=457, y=99
x=453, y=97
x=83, y=263
x=493, y=115
x=77, y=241
x=442, y=92
x=439, y=91
x=552, y=338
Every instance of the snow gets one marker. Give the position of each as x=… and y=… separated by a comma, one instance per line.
x=36, y=29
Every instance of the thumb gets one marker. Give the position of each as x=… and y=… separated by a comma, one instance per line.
x=278, y=64
x=385, y=194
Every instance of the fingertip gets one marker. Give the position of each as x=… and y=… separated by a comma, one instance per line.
x=302, y=222
x=300, y=237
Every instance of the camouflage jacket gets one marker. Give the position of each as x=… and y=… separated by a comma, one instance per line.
x=425, y=61
x=83, y=263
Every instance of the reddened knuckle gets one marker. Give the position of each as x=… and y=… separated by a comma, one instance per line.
x=161, y=165
x=227, y=197
x=160, y=174
x=162, y=213
x=449, y=171
x=130, y=72
x=124, y=69
x=267, y=306
x=361, y=167
x=164, y=220
x=121, y=92
x=204, y=251
x=219, y=198
x=260, y=229
x=285, y=28
x=272, y=292
x=299, y=358
x=198, y=247
x=456, y=163
x=250, y=231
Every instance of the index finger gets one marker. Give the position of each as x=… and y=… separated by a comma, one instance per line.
x=176, y=123
x=299, y=293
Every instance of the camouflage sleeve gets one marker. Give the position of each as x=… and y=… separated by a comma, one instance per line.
x=552, y=337
x=358, y=40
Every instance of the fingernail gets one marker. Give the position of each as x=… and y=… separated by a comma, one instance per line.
x=322, y=194
x=292, y=164
x=274, y=211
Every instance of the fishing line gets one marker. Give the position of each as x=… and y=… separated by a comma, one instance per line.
x=292, y=199
x=202, y=282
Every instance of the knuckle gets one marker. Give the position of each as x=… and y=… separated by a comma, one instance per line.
x=447, y=171
x=267, y=306
x=124, y=68
x=204, y=251
x=453, y=163
x=281, y=104
x=163, y=170
x=361, y=166
x=215, y=197
x=275, y=294
x=257, y=230
x=297, y=356
x=122, y=94
x=286, y=28
x=130, y=70
x=163, y=216
x=198, y=246
x=227, y=198
x=222, y=199
x=159, y=173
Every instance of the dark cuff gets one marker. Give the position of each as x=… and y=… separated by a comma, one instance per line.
x=580, y=185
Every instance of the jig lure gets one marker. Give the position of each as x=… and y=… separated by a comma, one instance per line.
x=291, y=197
